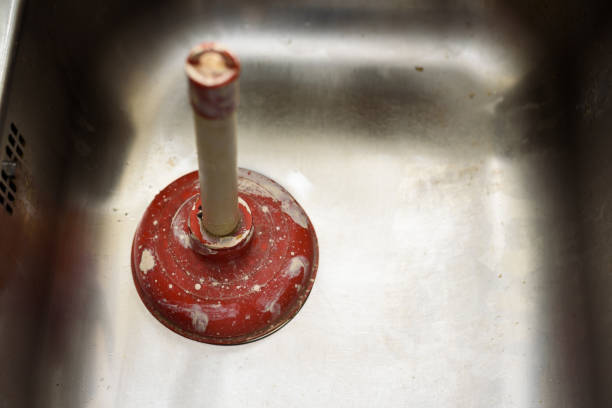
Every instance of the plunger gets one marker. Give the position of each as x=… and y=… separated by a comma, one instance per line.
x=226, y=256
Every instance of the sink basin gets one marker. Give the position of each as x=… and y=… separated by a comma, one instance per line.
x=452, y=156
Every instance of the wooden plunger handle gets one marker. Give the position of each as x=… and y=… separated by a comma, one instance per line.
x=213, y=91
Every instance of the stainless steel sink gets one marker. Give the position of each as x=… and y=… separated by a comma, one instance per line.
x=454, y=158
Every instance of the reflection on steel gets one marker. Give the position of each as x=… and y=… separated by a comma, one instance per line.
x=462, y=210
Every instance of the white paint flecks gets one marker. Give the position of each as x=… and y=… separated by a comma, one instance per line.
x=272, y=306
x=147, y=262
x=291, y=209
x=199, y=319
x=198, y=286
x=201, y=315
x=288, y=204
x=297, y=265
x=220, y=312
x=181, y=235
x=244, y=204
x=251, y=187
x=155, y=222
x=170, y=286
x=256, y=288
x=264, y=208
x=230, y=240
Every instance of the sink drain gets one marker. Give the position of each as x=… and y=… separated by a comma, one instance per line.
x=13, y=154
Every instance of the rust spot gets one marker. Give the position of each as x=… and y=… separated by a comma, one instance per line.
x=420, y=69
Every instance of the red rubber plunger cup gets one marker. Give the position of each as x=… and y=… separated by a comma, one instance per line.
x=223, y=255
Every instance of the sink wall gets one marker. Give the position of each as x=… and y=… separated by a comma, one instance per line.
x=451, y=155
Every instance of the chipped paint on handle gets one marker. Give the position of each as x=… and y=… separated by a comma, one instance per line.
x=213, y=90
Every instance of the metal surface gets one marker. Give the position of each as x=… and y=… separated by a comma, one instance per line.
x=10, y=13
x=454, y=157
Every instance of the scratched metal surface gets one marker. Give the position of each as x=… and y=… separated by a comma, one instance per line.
x=9, y=21
x=451, y=156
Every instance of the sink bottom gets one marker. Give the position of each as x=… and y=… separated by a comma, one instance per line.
x=459, y=204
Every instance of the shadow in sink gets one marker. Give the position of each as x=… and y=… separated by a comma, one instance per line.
x=442, y=138
x=99, y=132
x=595, y=167
x=72, y=325
x=536, y=122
